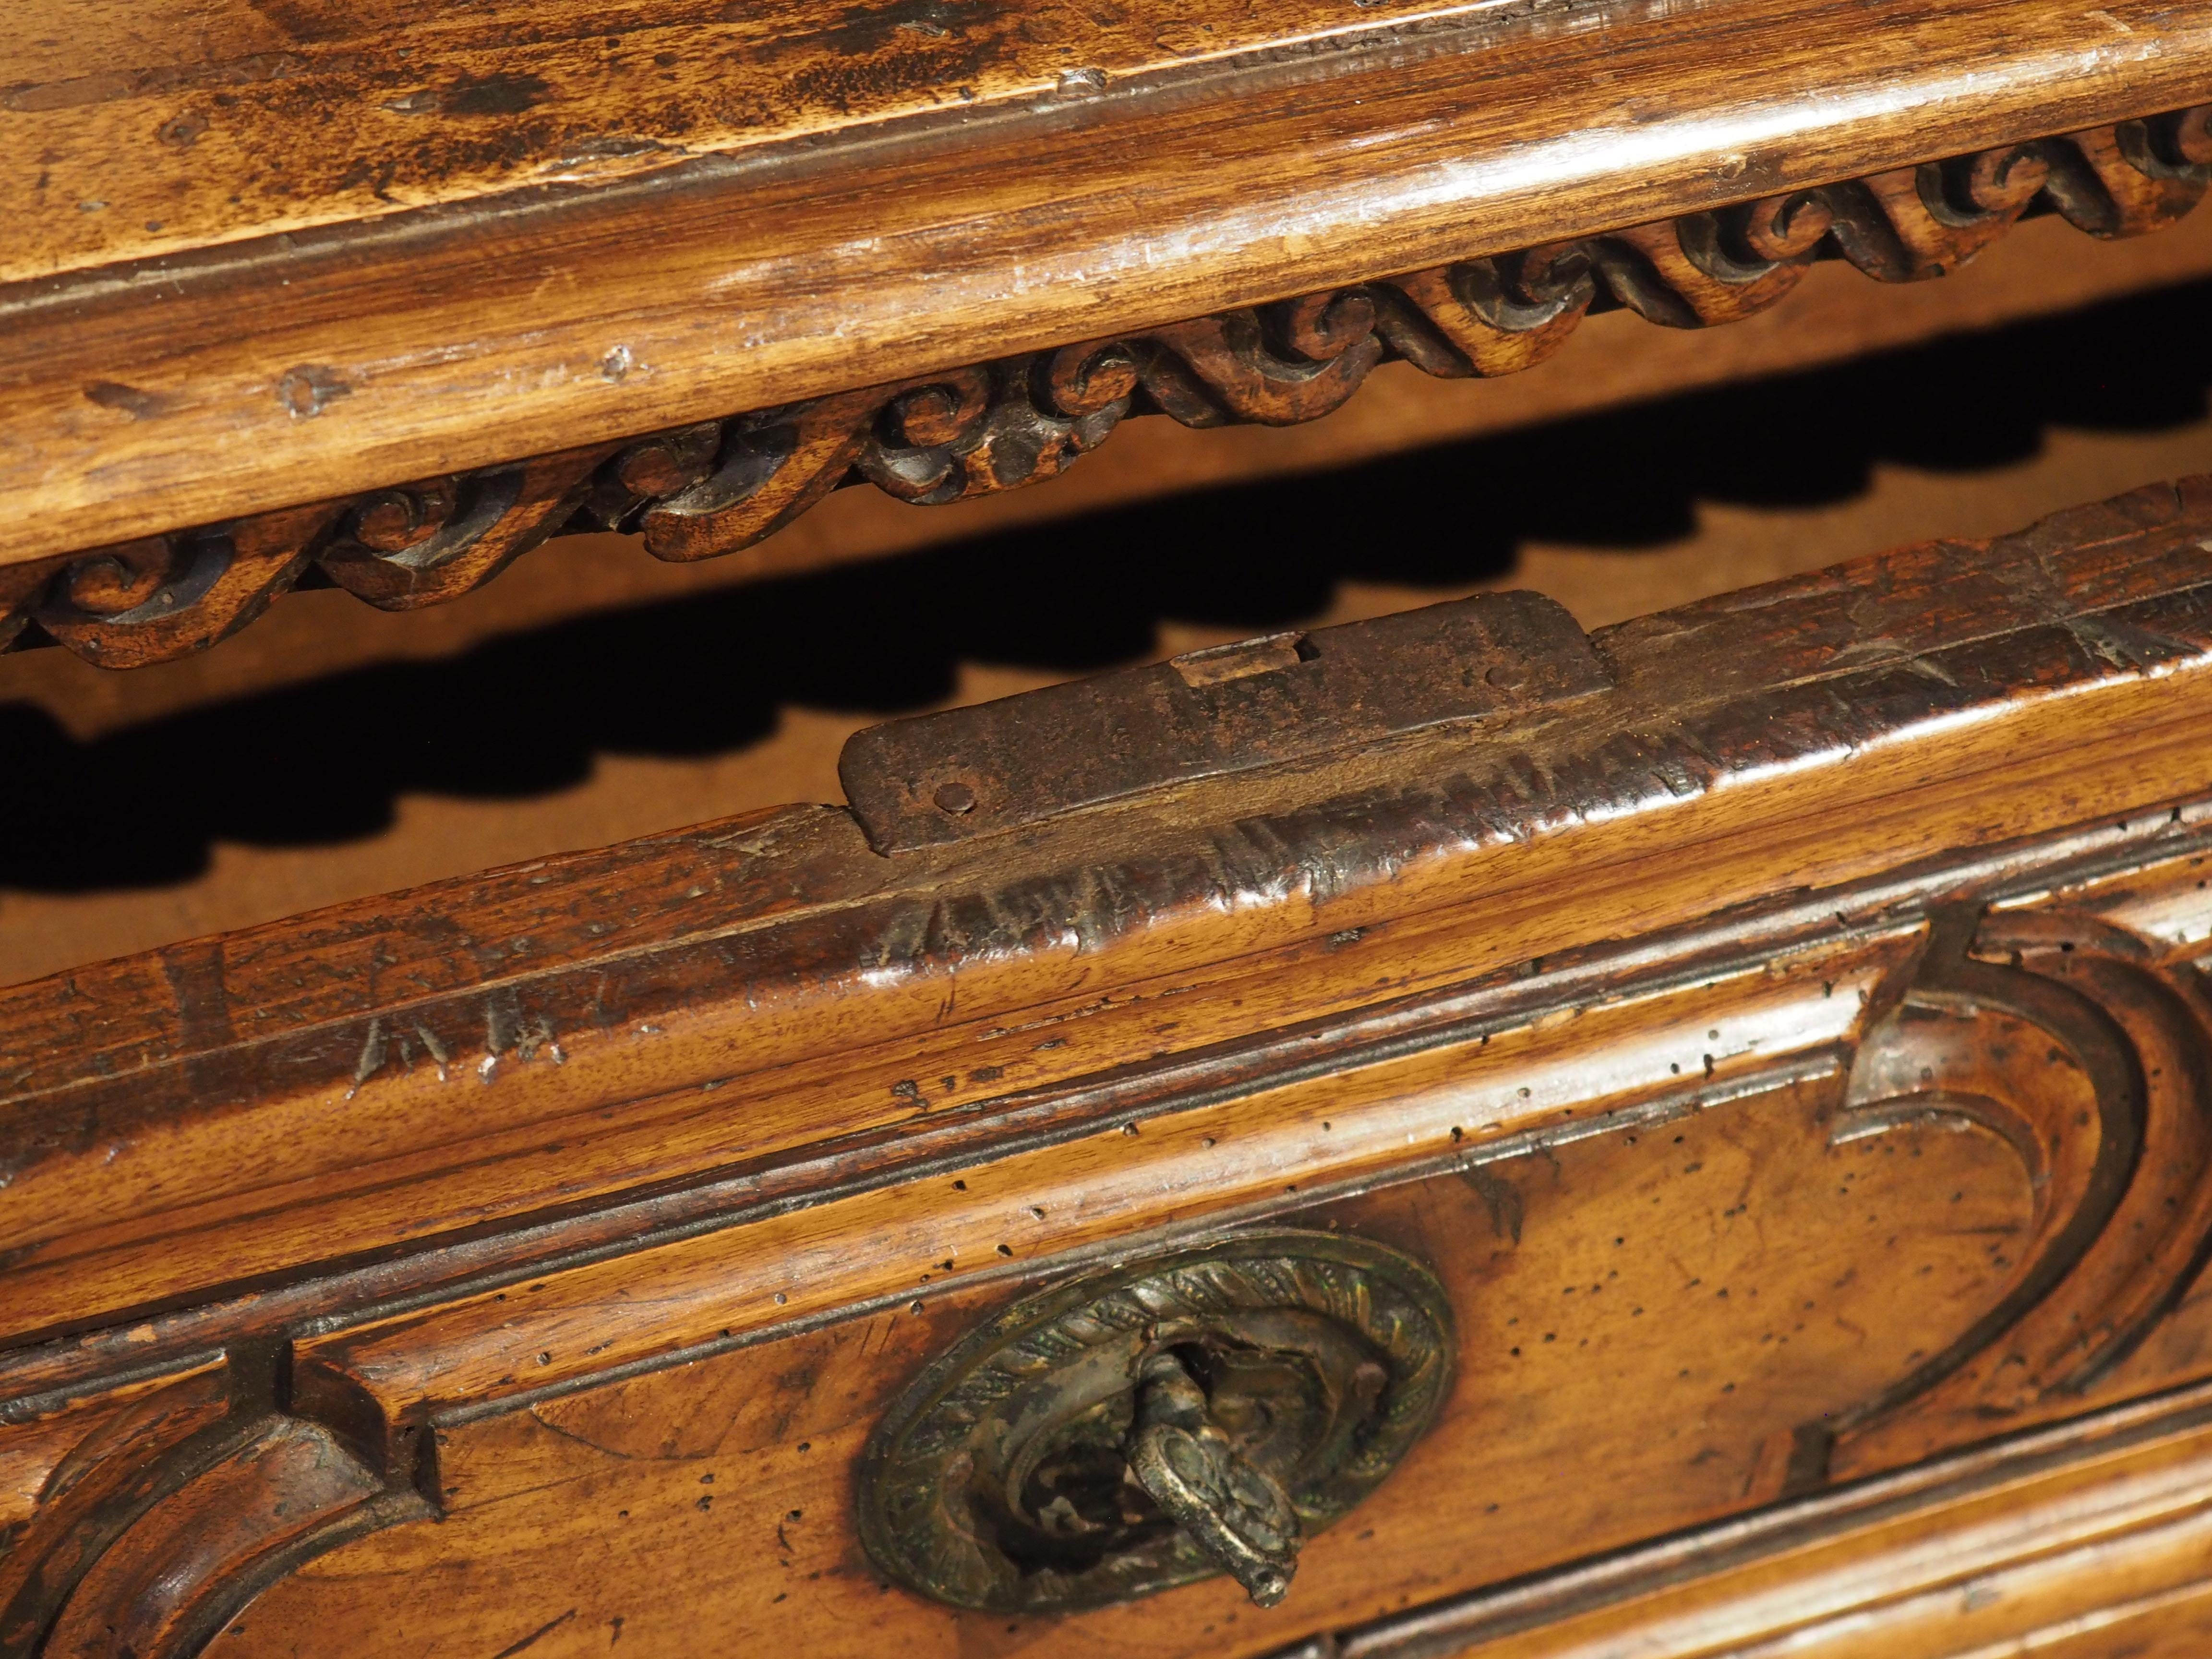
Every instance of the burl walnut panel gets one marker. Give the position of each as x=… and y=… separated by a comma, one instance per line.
x=1778, y=1024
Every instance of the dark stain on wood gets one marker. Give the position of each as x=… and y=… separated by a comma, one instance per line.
x=127, y=399
x=496, y=94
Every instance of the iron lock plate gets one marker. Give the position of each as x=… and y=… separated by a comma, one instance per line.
x=995, y=766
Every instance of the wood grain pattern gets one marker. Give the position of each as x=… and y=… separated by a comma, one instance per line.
x=1793, y=1287
x=189, y=1563
x=444, y=834
x=326, y=1061
x=1804, y=1039
x=88, y=1469
x=183, y=390
x=172, y=1507
x=1590, y=1318
x=2086, y=1543
x=189, y=116
x=714, y=488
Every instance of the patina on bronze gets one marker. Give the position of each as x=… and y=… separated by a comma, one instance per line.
x=1201, y=1412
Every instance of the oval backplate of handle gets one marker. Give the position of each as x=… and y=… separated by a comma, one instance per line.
x=1203, y=1412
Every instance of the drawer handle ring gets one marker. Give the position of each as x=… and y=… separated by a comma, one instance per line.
x=1205, y=1411
x=1240, y=1515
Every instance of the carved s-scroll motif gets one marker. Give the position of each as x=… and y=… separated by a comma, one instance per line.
x=2136, y=177
x=707, y=490
x=1486, y=317
x=716, y=487
x=986, y=430
x=2064, y=1035
x=430, y=542
x=1274, y=365
x=168, y=596
x=20, y=585
x=741, y=483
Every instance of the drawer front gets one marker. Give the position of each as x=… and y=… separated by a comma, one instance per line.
x=1722, y=1256
x=1651, y=1319
x=1727, y=1169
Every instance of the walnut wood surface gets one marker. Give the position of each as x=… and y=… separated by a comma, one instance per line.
x=141, y=397
x=2089, y=1544
x=188, y=114
x=717, y=487
x=298, y=1053
x=1801, y=1037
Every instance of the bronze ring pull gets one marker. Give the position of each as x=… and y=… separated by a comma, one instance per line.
x=1241, y=1520
x=1205, y=1411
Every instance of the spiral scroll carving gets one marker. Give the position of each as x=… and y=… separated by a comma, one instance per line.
x=715, y=487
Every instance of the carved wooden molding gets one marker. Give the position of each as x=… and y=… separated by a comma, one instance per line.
x=2055, y=1005
x=703, y=490
x=161, y=1517
x=235, y=1345
x=487, y=1001
x=2086, y=1046
x=1998, y=1550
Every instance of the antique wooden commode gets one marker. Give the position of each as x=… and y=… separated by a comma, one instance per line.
x=1448, y=1133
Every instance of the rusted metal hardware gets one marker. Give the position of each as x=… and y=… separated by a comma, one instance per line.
x=969, y=772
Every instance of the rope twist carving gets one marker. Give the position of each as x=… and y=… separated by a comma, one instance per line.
x=715, y=487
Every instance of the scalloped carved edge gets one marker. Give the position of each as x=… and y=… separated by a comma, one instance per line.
x=716, y=487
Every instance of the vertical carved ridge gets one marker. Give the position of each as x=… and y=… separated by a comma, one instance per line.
x=170, y=1515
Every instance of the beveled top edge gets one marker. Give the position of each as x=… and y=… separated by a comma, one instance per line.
x=144, y=162
x=467, y=340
